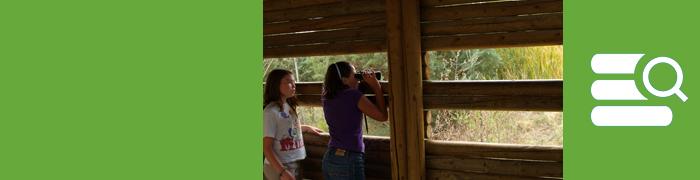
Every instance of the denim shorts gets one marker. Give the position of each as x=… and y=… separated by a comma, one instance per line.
x=339, y=164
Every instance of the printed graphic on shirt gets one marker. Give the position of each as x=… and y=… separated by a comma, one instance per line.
x=284, y=114
x=291, y=140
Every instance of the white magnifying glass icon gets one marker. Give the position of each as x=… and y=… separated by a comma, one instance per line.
x=676, y=89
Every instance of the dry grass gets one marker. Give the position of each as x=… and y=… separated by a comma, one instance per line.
x=515, y=127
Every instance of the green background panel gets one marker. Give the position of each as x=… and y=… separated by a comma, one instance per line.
x=653, y=28
x=130, y=89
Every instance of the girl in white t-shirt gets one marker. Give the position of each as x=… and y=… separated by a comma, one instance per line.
x=283, y=144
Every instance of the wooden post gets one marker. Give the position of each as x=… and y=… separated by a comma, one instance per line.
x=406, y=89
x=427, y=129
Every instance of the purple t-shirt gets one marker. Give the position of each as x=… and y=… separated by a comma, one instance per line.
x=344, y=120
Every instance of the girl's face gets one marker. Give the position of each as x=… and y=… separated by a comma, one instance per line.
x=351, y=81
x=288, y=86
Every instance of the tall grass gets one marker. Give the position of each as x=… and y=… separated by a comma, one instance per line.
x=517, y=127
x=513, y=127
x=314, y=116
x=544, y=62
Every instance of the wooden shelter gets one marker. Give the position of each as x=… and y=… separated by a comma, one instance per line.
x=405, y=30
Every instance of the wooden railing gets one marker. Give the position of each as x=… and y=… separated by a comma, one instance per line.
x=294, y=28
x=451, y=160
x=521, y=95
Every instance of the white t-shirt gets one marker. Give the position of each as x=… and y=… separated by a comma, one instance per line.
x=285, y=128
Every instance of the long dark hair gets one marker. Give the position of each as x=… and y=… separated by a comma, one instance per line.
x=272, y=90
x=333, y=84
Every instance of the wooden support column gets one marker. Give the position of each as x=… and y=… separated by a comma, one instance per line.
x=406, y=89
x=427, y=120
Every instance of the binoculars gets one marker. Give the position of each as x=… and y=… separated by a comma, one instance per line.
x=363, y=87
x=377, y=74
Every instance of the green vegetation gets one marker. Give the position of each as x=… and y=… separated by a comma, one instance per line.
x=518, y=127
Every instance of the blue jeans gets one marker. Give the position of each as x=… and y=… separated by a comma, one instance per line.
x=339, y=164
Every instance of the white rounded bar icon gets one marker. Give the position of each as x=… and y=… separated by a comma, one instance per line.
x=632, y=116
x=616, y=90
x=615, y=63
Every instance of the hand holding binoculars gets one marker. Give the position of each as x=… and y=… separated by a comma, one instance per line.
x=377, y=74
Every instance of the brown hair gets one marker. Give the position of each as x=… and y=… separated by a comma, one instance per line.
x=272, y=90
x=333, y=84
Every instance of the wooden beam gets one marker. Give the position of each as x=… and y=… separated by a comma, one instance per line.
x=427, y=117
x=501, y=103
x=467, y=160
x=552, y=21
x=496, y=166
x=432, y=3
x=406, y=105
x=272, y=5
x=492, y=150
x=309, y=100
x=315, y=88
x=516, y=95
x=325, y=10
x=494, y=87
x=467, y=87
x=342, y=35
x=315, y=100
x=373, y=143
x=461, y=175
x=498, y=9
x=396, y=113
x=325, y=49
x=414, y=95
x=498, y=40
x=330, y=23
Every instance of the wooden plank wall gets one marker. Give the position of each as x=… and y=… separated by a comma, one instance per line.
x=529, y=95
x=294, y=28
x=465, y=24
x=452, y=160
x=323, y=27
